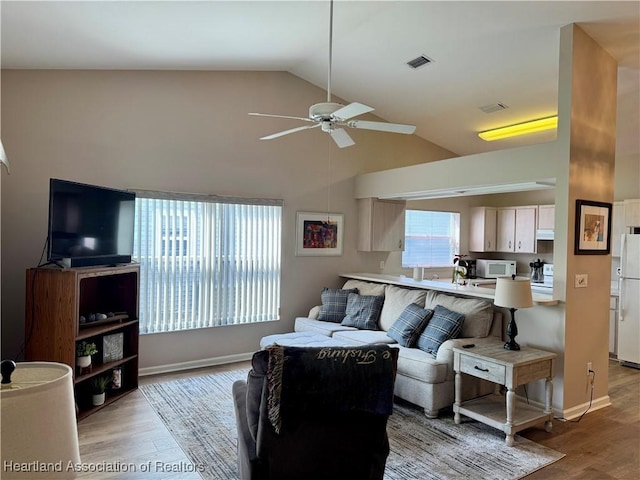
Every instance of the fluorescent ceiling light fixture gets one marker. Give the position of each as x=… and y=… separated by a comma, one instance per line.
x=473, y=190
x=524, y=128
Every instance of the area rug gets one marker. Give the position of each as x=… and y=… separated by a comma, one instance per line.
x=198, y=411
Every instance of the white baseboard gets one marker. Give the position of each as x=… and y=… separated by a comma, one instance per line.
x=578, y=410
x=573, y=412
x=205, y=362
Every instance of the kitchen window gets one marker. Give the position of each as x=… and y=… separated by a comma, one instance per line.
x=431, y=238
x=206, y=261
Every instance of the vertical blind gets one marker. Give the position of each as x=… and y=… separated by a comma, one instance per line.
x=431, y=238
x=206, y=261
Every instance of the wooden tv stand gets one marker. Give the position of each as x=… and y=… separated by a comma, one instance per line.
x=55, y=300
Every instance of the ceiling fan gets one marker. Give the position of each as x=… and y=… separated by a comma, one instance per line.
x=330, y=117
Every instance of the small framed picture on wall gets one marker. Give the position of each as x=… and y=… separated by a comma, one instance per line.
x=593, y=228
x=319, y=234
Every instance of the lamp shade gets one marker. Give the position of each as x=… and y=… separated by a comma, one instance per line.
x=513, y=292
x=39, y=429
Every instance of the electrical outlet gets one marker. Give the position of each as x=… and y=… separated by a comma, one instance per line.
x=581, y=280
x=589, y=368
x=381, y=264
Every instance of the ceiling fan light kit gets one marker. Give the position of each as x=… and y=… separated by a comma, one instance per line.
x=331, y=116
x=524, y=128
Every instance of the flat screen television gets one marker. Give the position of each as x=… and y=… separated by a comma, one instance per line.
x=89, y=225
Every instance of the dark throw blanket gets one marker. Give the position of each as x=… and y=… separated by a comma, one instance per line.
x=325, y=380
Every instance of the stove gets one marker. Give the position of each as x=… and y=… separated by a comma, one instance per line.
x=547, y=285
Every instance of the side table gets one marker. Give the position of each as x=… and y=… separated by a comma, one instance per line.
x=509, y=368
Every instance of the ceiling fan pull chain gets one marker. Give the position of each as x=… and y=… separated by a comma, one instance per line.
x=329, y=183
x=330, y=50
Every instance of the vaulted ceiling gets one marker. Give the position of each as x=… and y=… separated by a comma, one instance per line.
x=482, y=53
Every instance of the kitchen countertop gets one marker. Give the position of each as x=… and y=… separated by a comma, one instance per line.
x=441, y=286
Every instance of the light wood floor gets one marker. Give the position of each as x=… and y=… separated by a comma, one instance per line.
x=604, y=445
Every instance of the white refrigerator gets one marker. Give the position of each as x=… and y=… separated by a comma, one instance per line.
x=629, y=304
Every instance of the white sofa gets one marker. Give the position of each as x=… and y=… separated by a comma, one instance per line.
x=421, y=379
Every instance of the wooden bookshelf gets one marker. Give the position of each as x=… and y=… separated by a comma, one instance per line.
x=55, y=300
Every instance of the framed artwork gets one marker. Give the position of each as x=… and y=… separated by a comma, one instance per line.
x=112, y=347
x=319, y=234
x=593, y=228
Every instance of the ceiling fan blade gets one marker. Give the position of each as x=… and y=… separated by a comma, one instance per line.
x=287, y=132
x=352, y=110
x=341, y=137
x=304, y=119
x=382, y=126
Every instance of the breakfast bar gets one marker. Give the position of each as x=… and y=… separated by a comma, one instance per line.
x=477, y=289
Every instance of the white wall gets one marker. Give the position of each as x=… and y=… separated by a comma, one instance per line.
x=187, y=132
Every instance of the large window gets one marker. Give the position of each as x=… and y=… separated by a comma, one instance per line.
x=431, y=238
x=206, y=261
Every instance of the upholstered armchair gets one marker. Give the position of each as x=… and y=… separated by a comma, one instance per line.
x=315, y=413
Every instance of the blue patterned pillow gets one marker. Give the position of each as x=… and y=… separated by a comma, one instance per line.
x=334, y=304
x=444, y=325
x=363, y=311
x=410, y=324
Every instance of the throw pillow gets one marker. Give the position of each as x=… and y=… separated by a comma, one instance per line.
x=395, y=301
x=363, y=311
x=444, y=325
x=478, y=314
x=409, y=325
x=334, y=304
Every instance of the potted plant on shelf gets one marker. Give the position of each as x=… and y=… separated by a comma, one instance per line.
x=84, y=350
x=99, y=385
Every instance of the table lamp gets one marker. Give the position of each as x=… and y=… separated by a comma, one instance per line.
x=513, y=293
x=39, y=429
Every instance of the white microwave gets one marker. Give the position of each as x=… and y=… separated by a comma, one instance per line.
x=495, y=268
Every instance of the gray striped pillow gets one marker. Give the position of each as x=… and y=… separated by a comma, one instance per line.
x=410, y=324
x=334, y=304
x=444, y=325
x=363, y=311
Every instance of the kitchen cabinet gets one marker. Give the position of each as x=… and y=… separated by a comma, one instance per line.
x=55, y=301
x=632, y=213
x=506, y=229
x=546, y=217
x=381, y=225
x=525, y=241
x=482, y=227
x=617, y=227
x=625, y=214
x=516, y=229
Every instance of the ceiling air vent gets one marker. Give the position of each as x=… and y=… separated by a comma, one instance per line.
x=419, y=62
x=493, y=107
